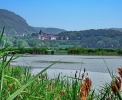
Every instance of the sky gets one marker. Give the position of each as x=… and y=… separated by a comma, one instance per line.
x=70, y=15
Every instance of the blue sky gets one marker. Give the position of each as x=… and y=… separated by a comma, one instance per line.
x=68, y=14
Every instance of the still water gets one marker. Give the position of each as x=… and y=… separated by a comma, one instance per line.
x=96, y=66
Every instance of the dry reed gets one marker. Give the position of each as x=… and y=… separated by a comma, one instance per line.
x=118, y=82
x=85, y=86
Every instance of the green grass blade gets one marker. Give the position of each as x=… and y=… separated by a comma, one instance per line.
x=2, y=34
x=2, y=76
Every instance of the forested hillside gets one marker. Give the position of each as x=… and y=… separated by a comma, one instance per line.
x=14, y=24
x=101, y=38
x=118, y=29
x=49, y=30
x=78, y=35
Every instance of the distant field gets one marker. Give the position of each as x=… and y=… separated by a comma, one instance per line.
x=65, y=46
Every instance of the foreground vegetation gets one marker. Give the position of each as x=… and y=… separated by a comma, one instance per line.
x=17, y=83
x=15, y=86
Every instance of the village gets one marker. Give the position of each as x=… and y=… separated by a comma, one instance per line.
x=44, y=36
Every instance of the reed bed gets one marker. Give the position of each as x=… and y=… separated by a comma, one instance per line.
x=60, y=88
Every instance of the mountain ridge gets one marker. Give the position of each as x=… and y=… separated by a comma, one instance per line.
x=49, y=30
x=118, y=29
x=16, y=25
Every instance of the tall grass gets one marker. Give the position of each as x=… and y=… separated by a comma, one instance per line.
x=17, y=83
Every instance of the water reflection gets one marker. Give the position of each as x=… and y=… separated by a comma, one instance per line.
x=91, y=63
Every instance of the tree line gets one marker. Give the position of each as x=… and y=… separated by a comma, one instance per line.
x=85, y=39
x=32, y=50
x=70, y=51
x=99, y=51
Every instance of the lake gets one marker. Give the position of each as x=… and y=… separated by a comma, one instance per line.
x=68, y=64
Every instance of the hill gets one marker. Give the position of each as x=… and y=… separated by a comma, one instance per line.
x=118, y=29
x=15, y=24
x=49, y=30
x=77, y=35
x=100, y=38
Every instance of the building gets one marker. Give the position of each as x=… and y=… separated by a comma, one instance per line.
x=44, y=36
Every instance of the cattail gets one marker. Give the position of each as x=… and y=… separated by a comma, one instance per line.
x=26, y=90
x=83, y=76
x=85, y=88
x=59, y=99
x=9, y=64
x=50, y=85
x=8, y=89
x=76, y=74
x=84, y=70
x=43, y=76
x=62, y=93
x=120, y=71
x=83, y=98
x=5, y=82
x=11, y=85
x=117, y=81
